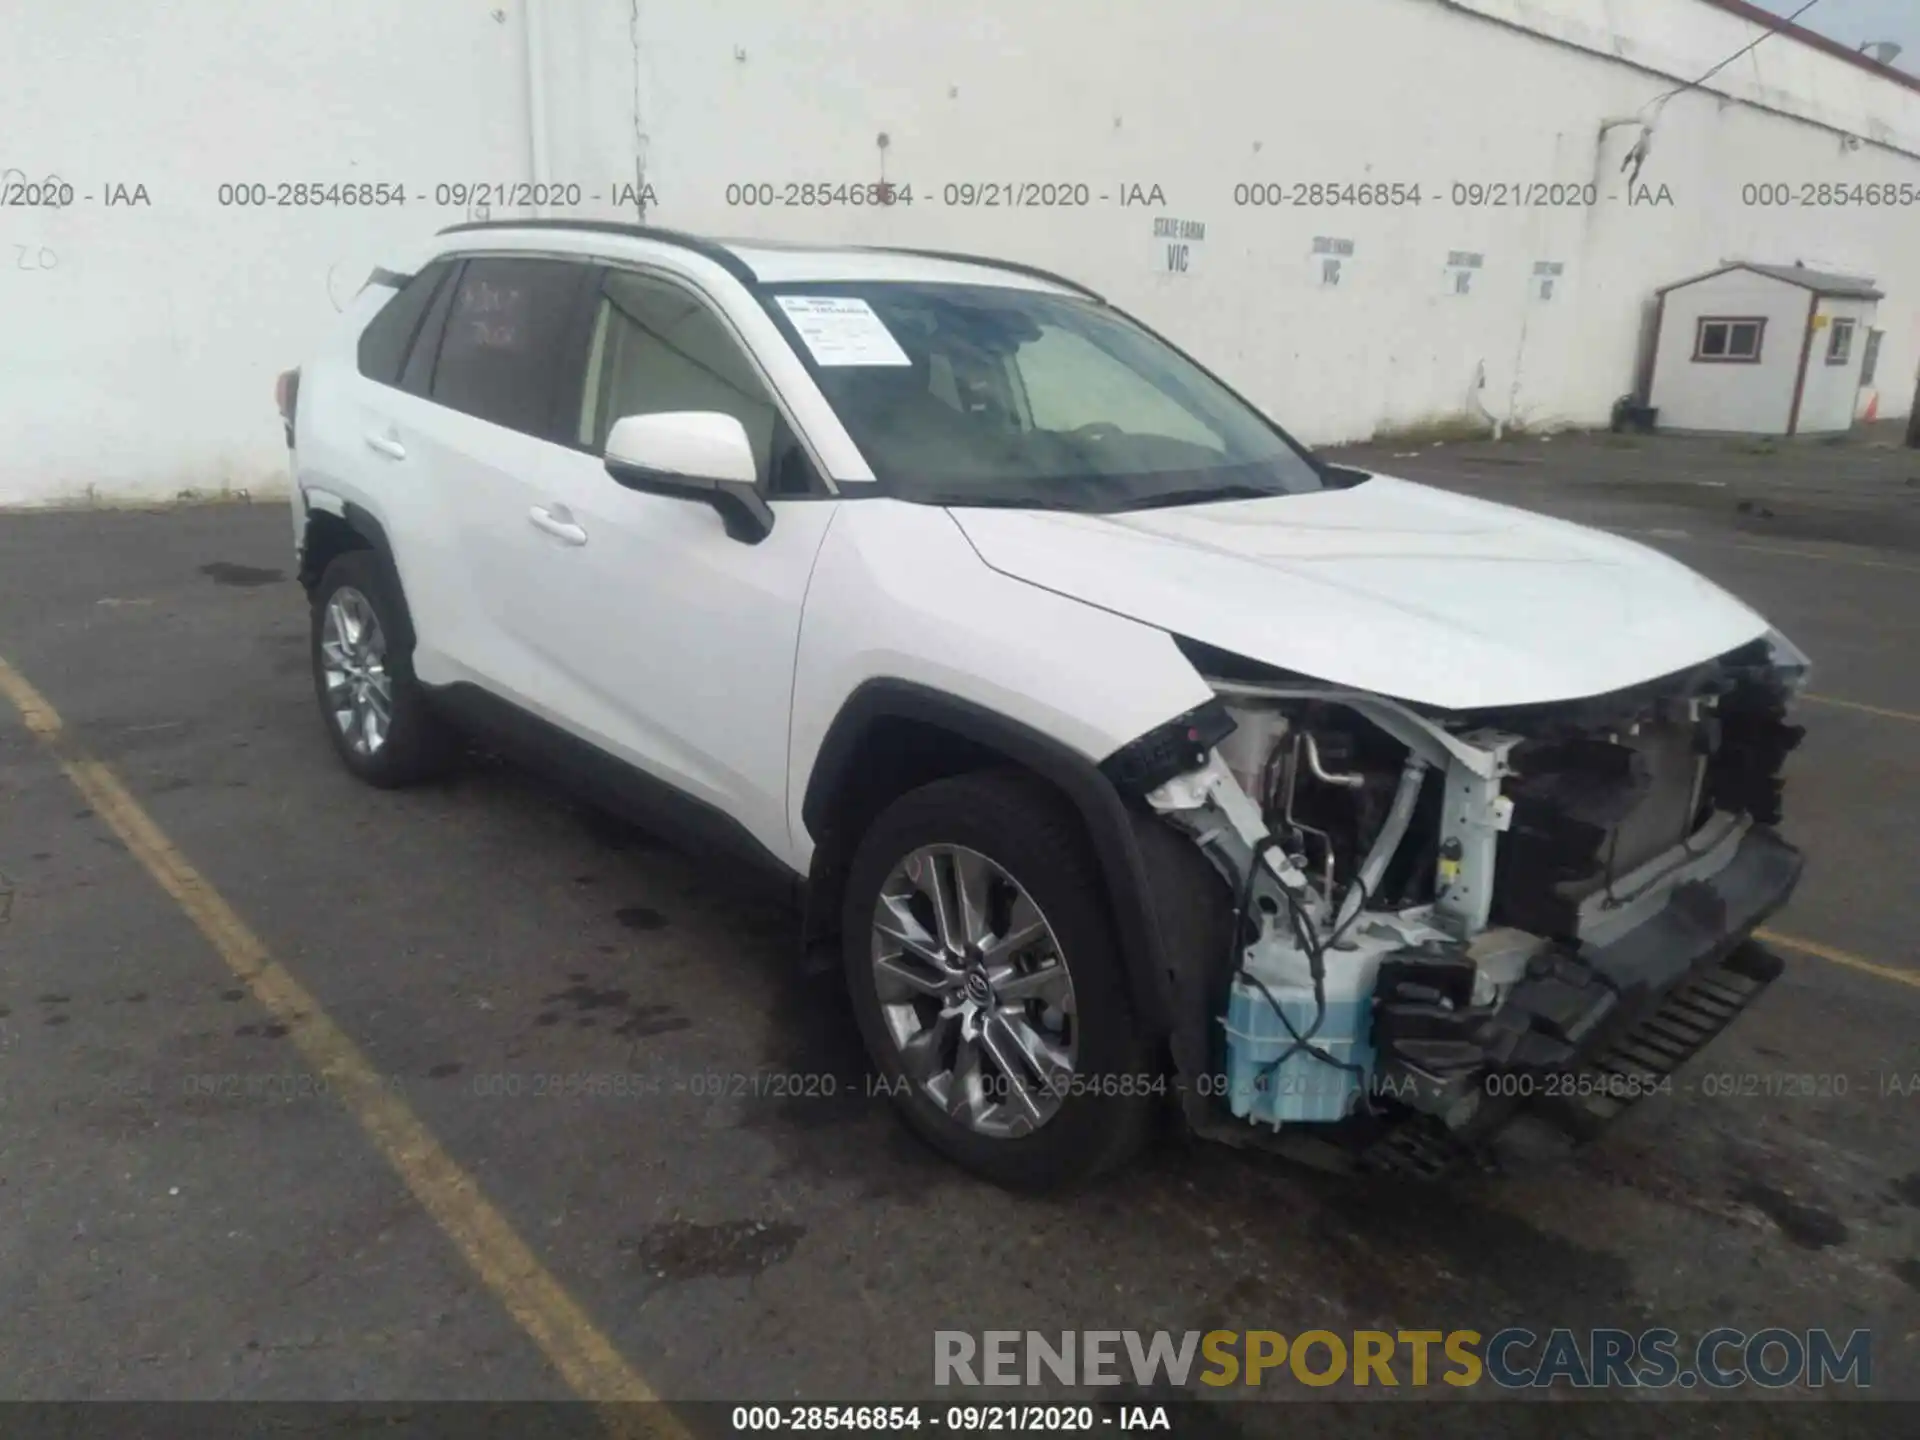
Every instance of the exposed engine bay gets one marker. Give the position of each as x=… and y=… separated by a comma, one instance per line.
x=1437, y=915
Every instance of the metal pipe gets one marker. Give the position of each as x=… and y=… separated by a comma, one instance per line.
x=539, y=162
x=1320, y=772
x=1392, y=831
x=1286, y=814
x=1411, y=729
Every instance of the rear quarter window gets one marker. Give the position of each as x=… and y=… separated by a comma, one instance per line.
x=390, y=334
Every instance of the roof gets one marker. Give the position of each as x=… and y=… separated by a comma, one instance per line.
x=1746, y=10
x=773, y=262
x=1821, y=282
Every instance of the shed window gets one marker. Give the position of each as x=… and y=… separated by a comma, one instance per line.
x=1729, y=340
x=1840, y=342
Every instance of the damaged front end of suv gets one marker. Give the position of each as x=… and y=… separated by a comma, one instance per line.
x=1458, y=936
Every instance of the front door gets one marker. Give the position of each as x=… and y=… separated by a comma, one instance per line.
x=673, y=643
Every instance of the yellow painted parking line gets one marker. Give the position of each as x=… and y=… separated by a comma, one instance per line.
x=1840, y=957
x=585, y=1358
x=1879, y=710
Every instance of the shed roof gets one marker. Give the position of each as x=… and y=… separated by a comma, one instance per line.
x=1821, y=282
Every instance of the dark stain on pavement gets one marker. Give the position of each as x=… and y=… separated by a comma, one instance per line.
x=683, y=1250
x=639, y=917
x=225, y=572
x=1808, y=1226
x=1907, y=1187
x=645, y=1020
x=610, y=832
x=639, y=1020
x=1394, y=1243
x=1907, y=1272
x=585, y=997
x=443, y=1070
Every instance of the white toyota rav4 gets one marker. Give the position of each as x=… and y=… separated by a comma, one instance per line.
x=1129, y=758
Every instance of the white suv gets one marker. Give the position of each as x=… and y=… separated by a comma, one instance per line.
x=1132, y=759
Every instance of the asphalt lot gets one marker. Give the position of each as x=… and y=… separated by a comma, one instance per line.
x=183, y=1216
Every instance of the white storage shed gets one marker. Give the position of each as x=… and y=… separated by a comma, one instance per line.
x=1763, y=350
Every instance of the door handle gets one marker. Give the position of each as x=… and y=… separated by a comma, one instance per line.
x=557, y=523
x=388, y=446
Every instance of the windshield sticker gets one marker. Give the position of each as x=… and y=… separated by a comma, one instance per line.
x=842, y=330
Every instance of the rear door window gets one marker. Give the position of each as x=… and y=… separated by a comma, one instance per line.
x=503, y=355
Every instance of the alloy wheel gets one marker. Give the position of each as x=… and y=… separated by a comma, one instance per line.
x=353, y=667
x=974, y=991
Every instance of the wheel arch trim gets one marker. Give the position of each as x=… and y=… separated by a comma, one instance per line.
x=1102, y=813
x=363, y=523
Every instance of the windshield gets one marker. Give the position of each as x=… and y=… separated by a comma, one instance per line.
x=975, y=395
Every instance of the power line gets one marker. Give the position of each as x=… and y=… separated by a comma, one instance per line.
x=1765, y=36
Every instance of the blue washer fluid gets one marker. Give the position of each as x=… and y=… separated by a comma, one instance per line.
x=1303, y=1087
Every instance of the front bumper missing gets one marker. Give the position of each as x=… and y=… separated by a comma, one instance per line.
x=1590, y=1032
x=1587, y=1096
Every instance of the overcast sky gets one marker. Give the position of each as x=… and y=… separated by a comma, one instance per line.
x=1853, y=22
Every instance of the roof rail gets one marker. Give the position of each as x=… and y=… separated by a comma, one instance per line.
x=698, y=244
x=740, y=270
x=989, y=262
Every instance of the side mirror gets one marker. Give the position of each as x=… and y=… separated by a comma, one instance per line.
x=693, y=455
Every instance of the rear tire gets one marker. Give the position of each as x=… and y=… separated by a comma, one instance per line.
x=378, y=717
x=1006, y=850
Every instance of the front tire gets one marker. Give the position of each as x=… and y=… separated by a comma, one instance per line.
x=379, y=719
x=988, y=986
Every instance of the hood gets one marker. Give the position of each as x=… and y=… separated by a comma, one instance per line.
x=1391, y=587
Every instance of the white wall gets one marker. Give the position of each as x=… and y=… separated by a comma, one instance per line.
x=1718, y=396
x=139, y=344
x=1205, y=95
x=1829, y=401
x=142, y=362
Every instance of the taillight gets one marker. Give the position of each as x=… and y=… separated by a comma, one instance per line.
x=286, y=394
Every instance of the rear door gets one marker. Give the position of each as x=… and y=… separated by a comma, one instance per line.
x=482, y=390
